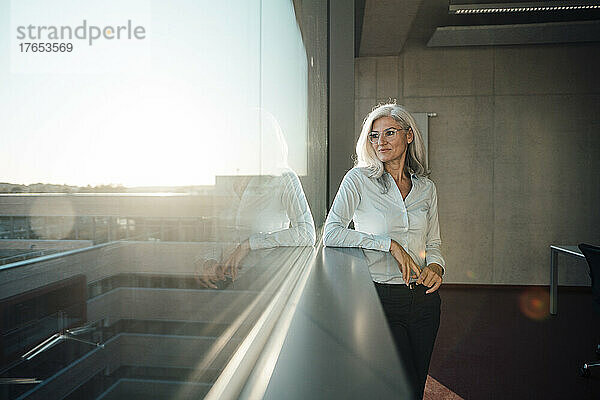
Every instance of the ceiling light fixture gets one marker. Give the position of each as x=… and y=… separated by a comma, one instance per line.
x=521, y=7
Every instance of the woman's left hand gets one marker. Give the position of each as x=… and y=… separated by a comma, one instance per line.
x=431, y=276
x=234, y=261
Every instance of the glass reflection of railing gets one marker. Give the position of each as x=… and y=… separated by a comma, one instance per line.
x=102, y=229
x=158, y=324
x=24, y=256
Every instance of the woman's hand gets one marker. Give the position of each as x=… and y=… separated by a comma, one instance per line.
x=209, y=273
x=407, y=266
x=232, y=265
x=431, y=276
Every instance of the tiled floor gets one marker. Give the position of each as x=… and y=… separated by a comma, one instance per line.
x=436, y=391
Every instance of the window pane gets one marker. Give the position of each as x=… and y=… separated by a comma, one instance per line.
x=163, y=181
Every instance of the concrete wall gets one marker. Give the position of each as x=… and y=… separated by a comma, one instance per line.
x=341, y=71
x=513, y=150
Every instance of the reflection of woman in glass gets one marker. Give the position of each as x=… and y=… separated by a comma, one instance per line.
x=394, y=208
x=265, y=211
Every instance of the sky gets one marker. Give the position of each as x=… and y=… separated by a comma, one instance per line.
x=175, y=108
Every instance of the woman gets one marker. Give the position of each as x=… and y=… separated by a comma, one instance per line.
x=394, y=208
x=264, y=211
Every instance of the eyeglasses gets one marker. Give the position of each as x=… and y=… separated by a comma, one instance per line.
x=388, y=134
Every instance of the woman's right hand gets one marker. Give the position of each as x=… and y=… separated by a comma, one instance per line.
x=407, y=266
x=209, y=272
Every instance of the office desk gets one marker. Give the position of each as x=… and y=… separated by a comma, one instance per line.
x=554, y=250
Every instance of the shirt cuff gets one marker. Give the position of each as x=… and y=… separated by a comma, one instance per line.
x=381, y=243
x=436, y=260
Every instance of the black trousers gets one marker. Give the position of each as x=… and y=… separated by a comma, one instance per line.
x=414, y=319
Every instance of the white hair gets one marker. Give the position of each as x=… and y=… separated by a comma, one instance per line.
x=273, y=146
x=416, y=161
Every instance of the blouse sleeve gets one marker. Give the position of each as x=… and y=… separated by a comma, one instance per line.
x=433, y=243
x=336, y=232
x=301, y=231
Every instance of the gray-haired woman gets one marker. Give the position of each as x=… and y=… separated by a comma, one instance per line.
x=394, y=208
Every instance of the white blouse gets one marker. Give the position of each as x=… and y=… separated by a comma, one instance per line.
x=271, y=211
x=380, y=217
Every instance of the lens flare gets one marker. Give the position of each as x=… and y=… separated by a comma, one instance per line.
x=534, y=303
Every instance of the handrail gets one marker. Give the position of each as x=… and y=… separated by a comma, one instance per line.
x=27, y=254
x=71, y=252
x=55, y=256
x=336, y=333
x=234, y=377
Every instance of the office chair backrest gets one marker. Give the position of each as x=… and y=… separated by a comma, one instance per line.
x=592, y=256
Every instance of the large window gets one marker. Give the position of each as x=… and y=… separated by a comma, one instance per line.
x=170, y=157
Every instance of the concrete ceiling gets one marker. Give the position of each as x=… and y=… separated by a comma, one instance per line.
x=384, y=26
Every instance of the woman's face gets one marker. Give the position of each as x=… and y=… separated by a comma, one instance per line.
x=390, y=147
